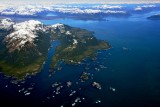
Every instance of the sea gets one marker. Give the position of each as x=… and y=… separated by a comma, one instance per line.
x=129, y=72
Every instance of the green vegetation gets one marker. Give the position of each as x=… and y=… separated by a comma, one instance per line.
x=75, y=45
x=73, y=53
x=26, y=61
x=21, y=72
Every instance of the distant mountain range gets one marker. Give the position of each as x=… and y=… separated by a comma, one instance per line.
x=85, y=12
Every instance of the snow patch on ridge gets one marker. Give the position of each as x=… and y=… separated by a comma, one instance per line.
x=59, y=26
x=6, y=24
x=24, y=32
x=75, y=41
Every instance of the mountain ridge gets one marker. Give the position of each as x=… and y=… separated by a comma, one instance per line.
x=25, y=45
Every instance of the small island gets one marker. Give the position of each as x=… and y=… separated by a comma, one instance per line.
x=154, y=17
x=24, y=46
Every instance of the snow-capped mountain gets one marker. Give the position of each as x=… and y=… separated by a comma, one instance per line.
x=108, y=7
x=6, y=24
x=97, y=9
x=34, y=10
x=99, y=12
x=58, y=26
x=144, y=7
x=28, y=10
x=25, y=33
x=25, y=45
x=22, y=33
x=26, y=41
x=89, y=12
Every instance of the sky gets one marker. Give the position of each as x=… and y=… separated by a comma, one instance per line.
x=78, y=1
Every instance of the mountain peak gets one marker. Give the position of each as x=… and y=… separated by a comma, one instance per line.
x=59, y=26
x=6, y=23
x=23, y=32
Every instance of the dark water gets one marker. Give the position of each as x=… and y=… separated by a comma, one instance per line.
x=131, y=67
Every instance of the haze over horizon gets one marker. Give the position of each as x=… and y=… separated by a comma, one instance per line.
x=77, y=1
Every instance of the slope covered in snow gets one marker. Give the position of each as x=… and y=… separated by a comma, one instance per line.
x=24, y=47
x=36, y=10
x=59, y=26
x=24, y=32
x=6, y=24
x=27, y=10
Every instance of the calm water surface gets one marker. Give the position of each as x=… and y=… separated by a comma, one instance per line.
x=131, y=67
